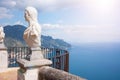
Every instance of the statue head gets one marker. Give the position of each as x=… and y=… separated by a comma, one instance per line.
x=30, y=14
x=2, y=34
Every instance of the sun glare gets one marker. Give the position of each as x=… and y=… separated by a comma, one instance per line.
x=105, y=4
x=101, y=7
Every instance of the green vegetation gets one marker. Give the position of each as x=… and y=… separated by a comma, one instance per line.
x=14, y=37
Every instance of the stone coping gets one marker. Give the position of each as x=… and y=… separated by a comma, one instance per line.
x=36, y=49
x=3, y=49
x=34, y=63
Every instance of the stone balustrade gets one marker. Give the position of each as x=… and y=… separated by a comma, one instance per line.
x=49, y=73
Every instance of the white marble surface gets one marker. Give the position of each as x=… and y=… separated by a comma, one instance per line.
x=2, y=35
x=3, y=57
x=32, y=35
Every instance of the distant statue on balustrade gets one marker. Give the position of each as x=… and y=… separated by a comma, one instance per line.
x=3, y=51
x=2, y=35
x=32, y=35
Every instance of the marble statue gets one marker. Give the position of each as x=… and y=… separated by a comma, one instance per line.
x=32, y=35
x=2, y=35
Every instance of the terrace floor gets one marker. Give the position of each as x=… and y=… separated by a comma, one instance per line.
x=9, y=74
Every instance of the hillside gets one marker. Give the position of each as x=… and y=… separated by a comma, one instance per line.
x=14, y=37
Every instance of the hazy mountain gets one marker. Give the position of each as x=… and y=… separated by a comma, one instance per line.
x=14, y=37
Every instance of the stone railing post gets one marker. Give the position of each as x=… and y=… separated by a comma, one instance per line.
x=49, y=73
x=3, y=58
x=3, y=52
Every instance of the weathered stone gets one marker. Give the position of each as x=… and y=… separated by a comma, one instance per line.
x=30, y=74
x=49, y=73
x=3, y=52
x=3, y=59
x=36, y=54
x=34, y=63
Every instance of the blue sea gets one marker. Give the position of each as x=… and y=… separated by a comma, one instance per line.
x=96, y=61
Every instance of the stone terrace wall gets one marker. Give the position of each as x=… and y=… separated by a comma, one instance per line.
x=49, y=73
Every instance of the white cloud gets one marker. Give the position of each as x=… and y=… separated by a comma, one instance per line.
x=7, y=3
x=102, y=11
x=48, y=4
x=95, y=12
x=4, y=13
x=51, y=26
x=19, y=22
x=83, y=33
x=7, y=6
x=40, y=4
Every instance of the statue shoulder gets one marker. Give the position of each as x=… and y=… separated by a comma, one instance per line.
x=38, y=26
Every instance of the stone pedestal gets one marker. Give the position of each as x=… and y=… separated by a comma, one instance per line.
x=36, y=54
x=29, y=69
x=29, y=74
x=3, y=58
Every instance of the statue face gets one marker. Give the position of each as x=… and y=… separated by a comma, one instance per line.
x=26, y=15
x=30, y=14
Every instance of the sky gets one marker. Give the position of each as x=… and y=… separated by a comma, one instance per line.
x=74, y=21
